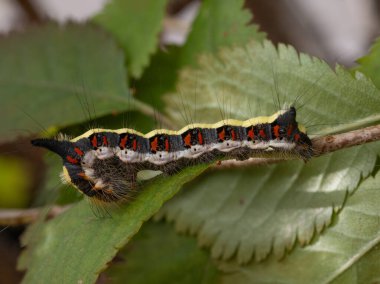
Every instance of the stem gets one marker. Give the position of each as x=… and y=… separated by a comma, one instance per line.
x=19, y=217
x=332, y=143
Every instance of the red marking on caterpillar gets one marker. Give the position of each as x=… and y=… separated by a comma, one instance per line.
x=78, y=151
x=154, y=145
x=71, y=160
x=167, y=145
x=262, y=133
x=221, y=135
x=94, y=142
x=187, y=140
x=297, y=137
x=200, y=138
x=251, y=134
x=233, y=135
x=123, y=142
x=105, y=142
x=276, y=131
x=134, y=144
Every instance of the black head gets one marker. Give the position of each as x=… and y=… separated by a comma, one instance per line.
x=292, y=131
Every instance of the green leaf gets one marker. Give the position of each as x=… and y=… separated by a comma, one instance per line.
x=159, y=78
x=220, y=23
x=158, y=255
x=255, y=211
x=85, y=243
x=56, y=76
x=136, y=26
x=370, y=64
x=348, y=252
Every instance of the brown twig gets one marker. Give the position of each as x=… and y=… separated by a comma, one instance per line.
x=321, y=146
x=20, y=217
x=332, y=143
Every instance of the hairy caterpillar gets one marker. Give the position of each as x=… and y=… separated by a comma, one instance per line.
x=103, y=164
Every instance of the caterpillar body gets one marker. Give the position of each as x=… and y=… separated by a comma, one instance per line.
x=103, y=164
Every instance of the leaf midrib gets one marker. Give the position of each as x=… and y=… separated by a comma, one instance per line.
x=355, y=258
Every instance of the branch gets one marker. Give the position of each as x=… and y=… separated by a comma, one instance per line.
x=332, y=143
x=19, y=217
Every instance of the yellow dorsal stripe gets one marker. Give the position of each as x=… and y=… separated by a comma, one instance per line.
x=232, y=122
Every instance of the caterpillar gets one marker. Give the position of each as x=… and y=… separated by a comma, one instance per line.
x=103, y=163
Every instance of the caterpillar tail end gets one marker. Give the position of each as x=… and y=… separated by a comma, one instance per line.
x=56, y=146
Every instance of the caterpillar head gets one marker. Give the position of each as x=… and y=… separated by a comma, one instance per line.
x=287, y=127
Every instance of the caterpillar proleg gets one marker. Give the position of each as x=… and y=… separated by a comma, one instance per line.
x=103, y=163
